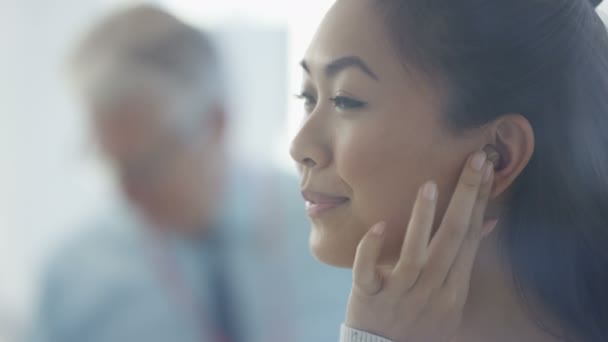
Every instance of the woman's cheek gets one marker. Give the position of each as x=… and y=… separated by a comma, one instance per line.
x=384, y=177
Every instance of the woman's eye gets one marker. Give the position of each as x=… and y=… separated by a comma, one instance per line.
x=309, y=101
x=347, y=103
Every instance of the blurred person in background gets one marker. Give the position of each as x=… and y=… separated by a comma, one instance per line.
x=201, y=251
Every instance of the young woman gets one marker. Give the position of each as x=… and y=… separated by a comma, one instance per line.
x=490, y=120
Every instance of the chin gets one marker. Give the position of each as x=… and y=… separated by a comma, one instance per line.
x=332, y=249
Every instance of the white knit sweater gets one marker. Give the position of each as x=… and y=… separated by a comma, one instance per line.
x=353, y=335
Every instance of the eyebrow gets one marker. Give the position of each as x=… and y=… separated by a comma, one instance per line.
x=342, y=63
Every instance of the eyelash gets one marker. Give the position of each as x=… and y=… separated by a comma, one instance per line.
x=306, y=97
x=340, y=102
x=347, y=103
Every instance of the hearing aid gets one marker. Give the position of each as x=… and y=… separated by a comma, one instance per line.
x=493, y=156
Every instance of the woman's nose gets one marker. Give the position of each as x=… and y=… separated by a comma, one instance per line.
x=308, y=148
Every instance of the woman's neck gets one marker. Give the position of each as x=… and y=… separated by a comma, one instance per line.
x=494, y=310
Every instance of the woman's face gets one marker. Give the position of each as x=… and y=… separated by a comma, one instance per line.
x=372, y=135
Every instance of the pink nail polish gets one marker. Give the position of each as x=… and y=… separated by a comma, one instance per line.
x=379, y=228
x=429, y=191
x=478, y=160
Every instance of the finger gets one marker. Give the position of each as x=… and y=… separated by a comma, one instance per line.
x=455, y=224
x=479, y=210
x=416, y=240
x=460, y=273
x=456, y=289
x=365, y=275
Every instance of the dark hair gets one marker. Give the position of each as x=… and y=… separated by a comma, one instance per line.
x=548, y=61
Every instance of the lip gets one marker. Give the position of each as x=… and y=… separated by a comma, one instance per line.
x=319, y=203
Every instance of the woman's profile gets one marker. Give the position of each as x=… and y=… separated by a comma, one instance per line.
x=453, y=153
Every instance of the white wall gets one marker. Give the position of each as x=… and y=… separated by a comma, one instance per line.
x=46, y=186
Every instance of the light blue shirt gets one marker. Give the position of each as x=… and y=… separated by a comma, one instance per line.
x=107, y=285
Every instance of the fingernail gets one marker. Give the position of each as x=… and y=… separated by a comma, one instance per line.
x=379, y=228
x=488, y=227
x=487, y=173
x=478, y=160
x=429, y=191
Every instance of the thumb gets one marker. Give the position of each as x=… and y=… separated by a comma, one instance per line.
x=365, y=275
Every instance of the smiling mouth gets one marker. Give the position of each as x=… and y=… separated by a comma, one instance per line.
x=318, y=204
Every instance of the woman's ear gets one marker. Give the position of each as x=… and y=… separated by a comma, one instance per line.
x=513, y=138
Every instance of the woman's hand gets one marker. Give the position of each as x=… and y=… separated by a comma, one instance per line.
x=421, y=298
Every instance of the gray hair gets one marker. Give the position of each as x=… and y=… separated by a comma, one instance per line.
x=146, y=51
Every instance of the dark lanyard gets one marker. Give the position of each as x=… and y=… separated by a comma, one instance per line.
x=184, y=295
